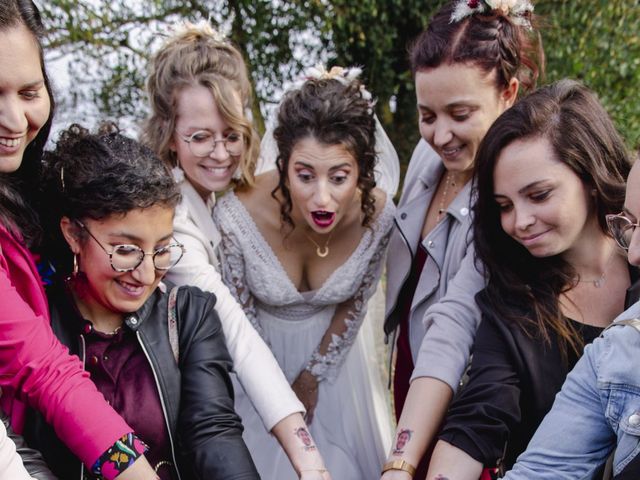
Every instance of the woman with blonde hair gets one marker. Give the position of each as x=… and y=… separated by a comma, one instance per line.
x=199, y=92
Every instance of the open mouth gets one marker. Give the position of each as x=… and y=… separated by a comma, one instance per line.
x=323, y=218
x=131, y=289
x=451, y=152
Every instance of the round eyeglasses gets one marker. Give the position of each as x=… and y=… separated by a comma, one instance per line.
x=202, y=143
x=126, y=258
x=621, y=228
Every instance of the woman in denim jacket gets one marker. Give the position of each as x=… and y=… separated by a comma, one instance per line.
x=598, y=408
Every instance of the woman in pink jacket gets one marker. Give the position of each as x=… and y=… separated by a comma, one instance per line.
x=34, y=367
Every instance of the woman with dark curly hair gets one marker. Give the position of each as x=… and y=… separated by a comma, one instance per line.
x=155, y=352
x=303, y=250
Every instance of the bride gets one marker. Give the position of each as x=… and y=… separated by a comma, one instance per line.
x=302, y=251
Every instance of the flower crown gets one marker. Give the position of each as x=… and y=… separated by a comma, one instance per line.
x=517, y=10
x=345, y=76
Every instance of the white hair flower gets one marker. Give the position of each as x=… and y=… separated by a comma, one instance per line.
x=344, y=75
x=516, y=10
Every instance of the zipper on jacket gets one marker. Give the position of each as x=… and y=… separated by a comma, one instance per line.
x=83, y=357
x=164, y=408
x=394, y=333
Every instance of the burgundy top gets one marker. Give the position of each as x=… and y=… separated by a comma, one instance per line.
x=404, y=360
x=121, y=371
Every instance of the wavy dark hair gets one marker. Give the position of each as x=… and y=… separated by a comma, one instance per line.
x=570, y=117
x=333, y=114
x=490, y=40
x=18, y=199
x=97, y=175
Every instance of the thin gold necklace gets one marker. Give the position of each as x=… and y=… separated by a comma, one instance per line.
x=324, y=250
x=448, y=180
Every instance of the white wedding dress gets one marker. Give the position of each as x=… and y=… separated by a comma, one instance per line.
x=351, y=424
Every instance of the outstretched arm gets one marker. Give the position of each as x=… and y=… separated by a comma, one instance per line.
x=444, y=354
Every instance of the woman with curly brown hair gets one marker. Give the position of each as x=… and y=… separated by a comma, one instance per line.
x=303, y=250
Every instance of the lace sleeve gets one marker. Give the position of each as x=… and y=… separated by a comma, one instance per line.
x=328, y=357
x=233, y=274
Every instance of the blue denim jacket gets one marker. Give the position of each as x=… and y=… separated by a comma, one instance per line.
x=597, y=410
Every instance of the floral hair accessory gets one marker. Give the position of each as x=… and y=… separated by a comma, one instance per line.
x=202, y=27
x=345, y=76
x=517, y=10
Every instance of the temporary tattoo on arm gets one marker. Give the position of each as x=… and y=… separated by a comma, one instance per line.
x=402, y=439
x=305, y=438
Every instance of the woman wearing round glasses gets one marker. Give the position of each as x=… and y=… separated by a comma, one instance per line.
x=598, y=408
x=199, y=90
x=159, y=358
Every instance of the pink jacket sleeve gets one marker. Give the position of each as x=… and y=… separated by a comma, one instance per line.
x=36, y=369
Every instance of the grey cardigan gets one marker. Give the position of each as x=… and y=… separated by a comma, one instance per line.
x=444, y=315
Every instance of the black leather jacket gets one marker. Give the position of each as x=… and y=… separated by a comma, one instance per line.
x=196, y=394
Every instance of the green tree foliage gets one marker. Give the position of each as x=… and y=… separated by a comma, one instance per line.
x=597, y=42
x=109, y=42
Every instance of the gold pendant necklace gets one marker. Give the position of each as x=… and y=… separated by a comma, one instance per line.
x=321, y=251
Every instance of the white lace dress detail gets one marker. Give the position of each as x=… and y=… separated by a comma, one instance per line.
x=351, y=425
x=326, y=367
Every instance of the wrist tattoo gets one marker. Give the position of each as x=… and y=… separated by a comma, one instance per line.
x=304, y=436
x=402, y=439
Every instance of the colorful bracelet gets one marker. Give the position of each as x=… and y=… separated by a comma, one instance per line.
x=400, y=465
x=119, y=456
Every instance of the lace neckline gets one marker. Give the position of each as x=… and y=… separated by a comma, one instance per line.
x=385, y=216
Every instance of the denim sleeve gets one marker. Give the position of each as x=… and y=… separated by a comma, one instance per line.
x=575, y=437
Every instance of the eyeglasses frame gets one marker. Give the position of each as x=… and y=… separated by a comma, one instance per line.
x=144, y=254
x=610, y=218
x=189, y=139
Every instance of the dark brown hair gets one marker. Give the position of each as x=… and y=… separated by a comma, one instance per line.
x=491, y=41
x=570, y=117
x=97, y=175
x=333, y=113
x=18, y=189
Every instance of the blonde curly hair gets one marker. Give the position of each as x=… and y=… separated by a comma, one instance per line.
x=195, y=54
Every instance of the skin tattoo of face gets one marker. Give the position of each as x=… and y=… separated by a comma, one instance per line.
x=305, y=438
x=403, y=438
